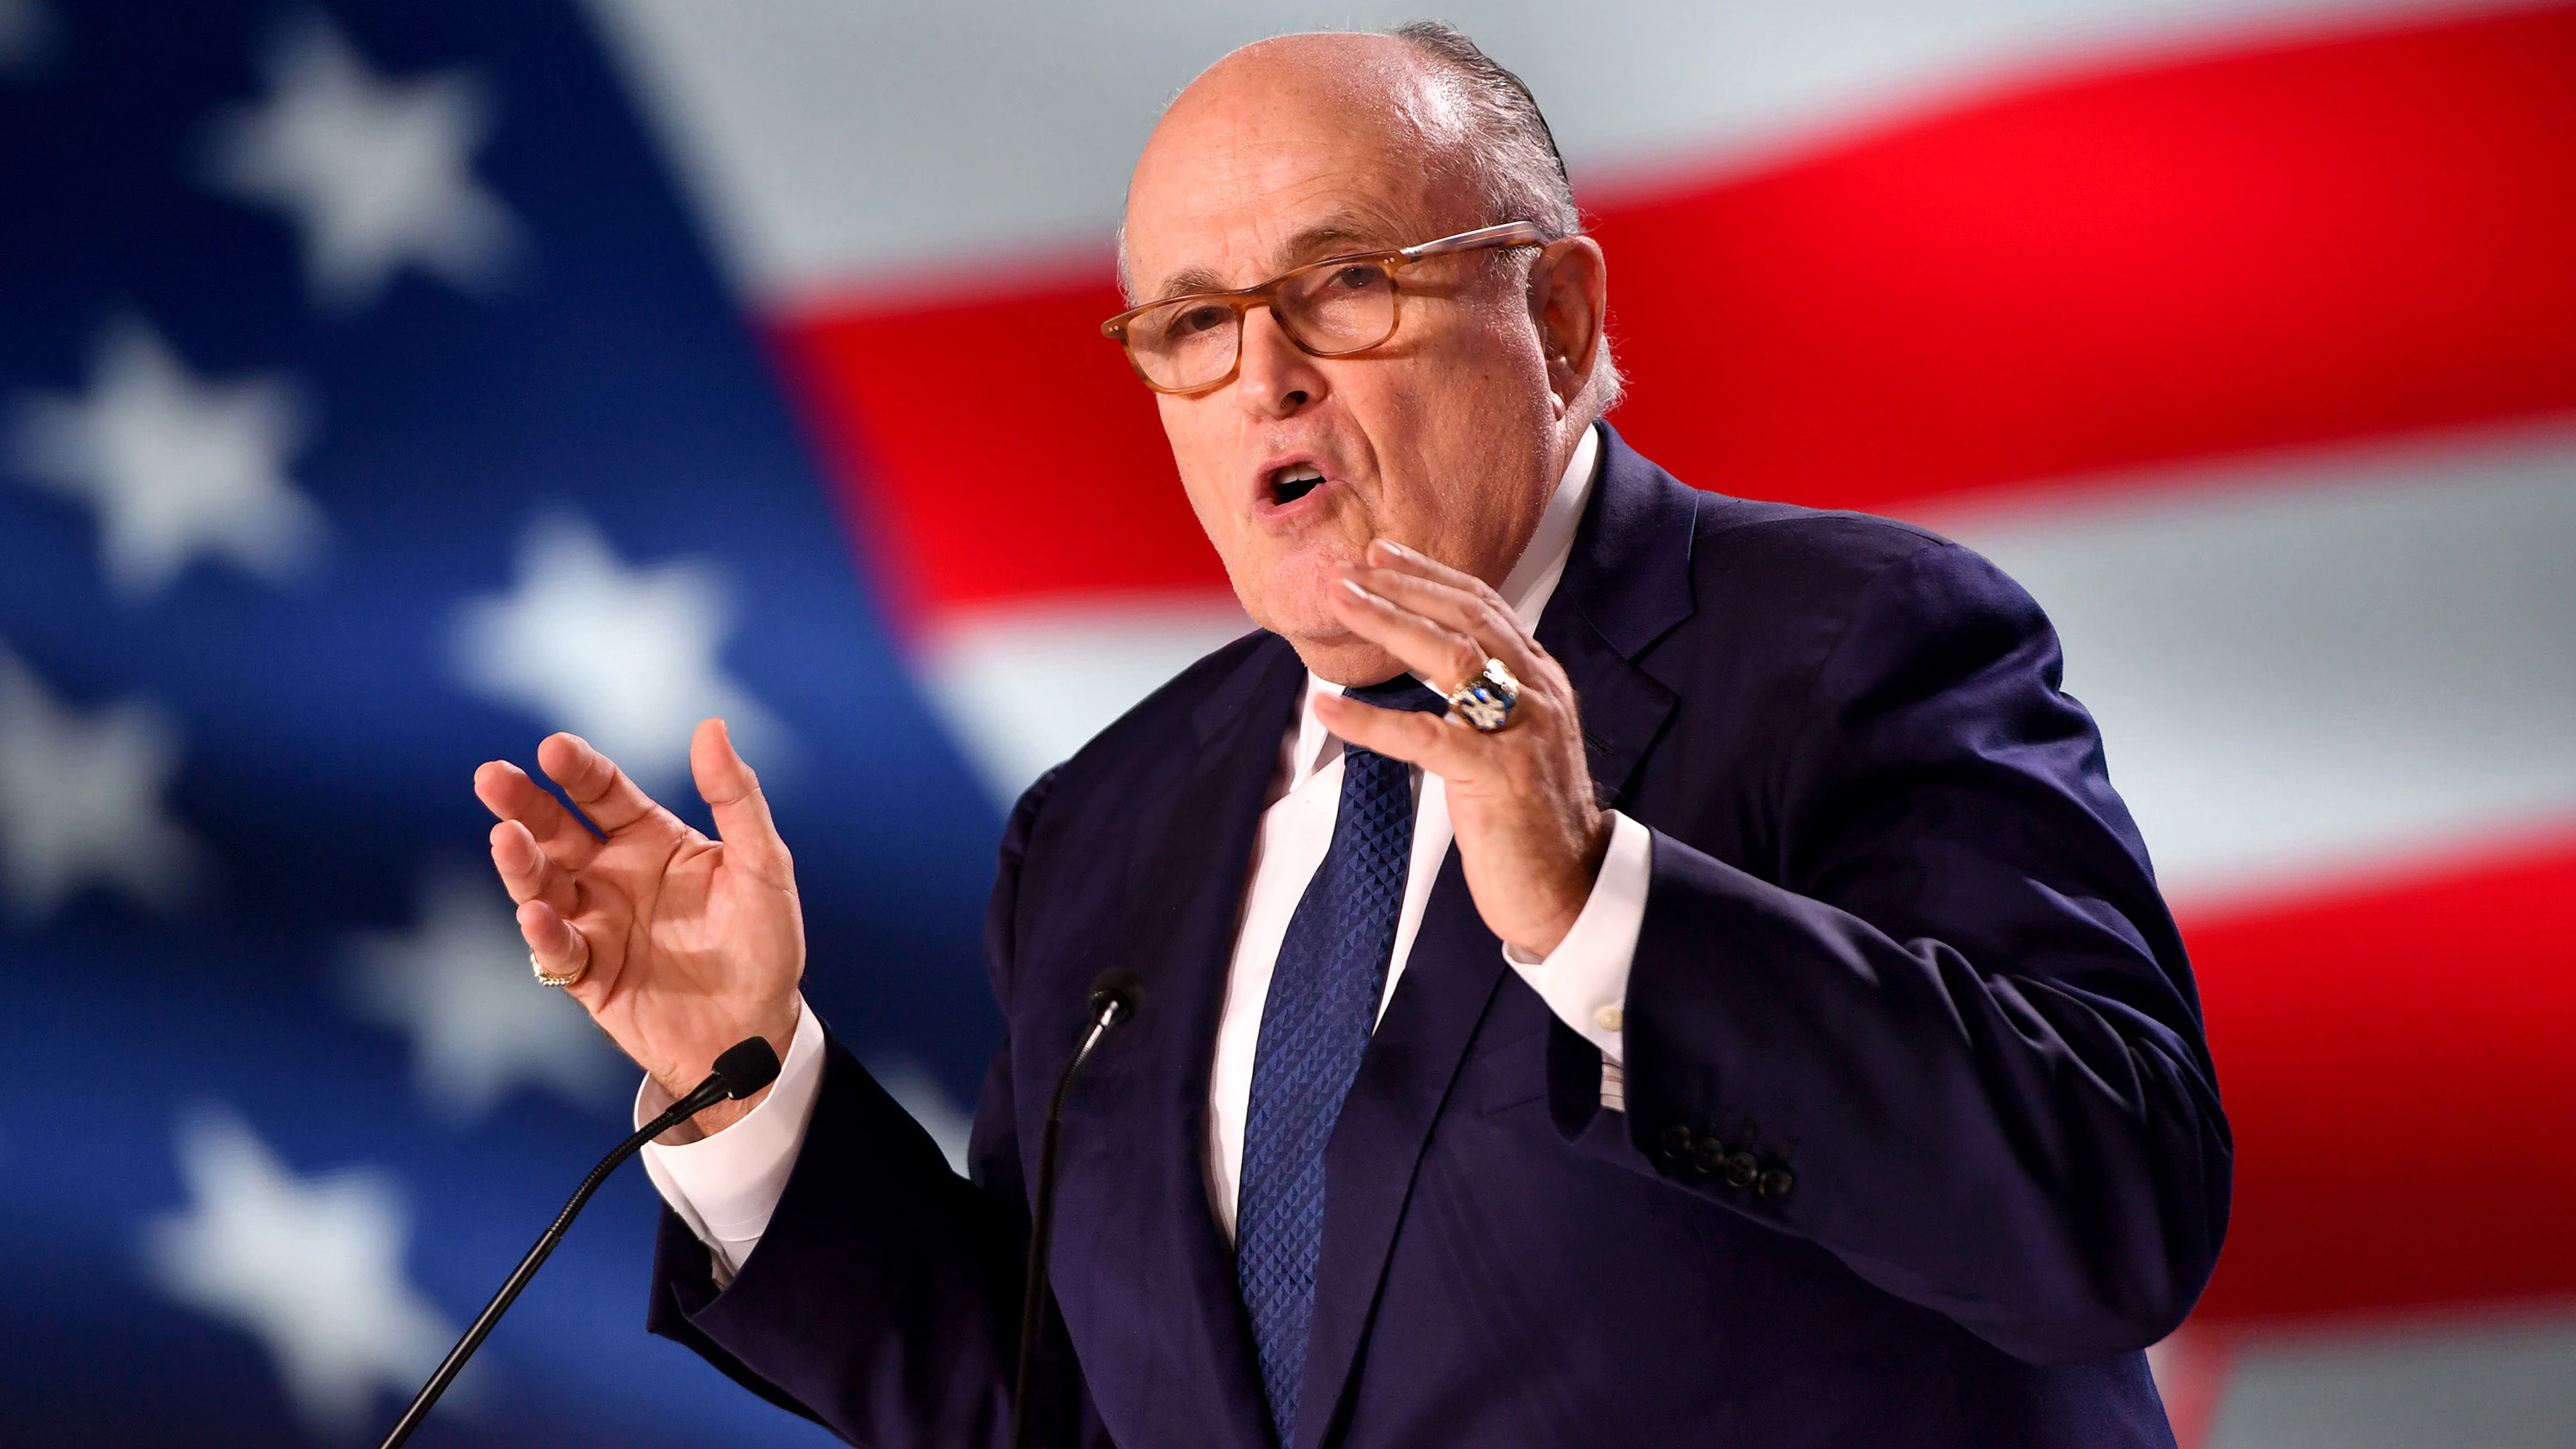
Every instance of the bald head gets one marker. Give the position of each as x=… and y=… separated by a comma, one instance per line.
x=1366, y=116
x=1472, y=118
x=1448, y=437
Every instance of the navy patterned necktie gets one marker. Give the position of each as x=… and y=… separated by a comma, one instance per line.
x=1314, y=1026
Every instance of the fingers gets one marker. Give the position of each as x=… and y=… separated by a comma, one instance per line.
x=507, y=792
x=1454, y=620
x=526, y=871
x=732, y=792
x=593, y=782
x=1439, y=656
x=1434, y=742
x=552, y=940
x=1386, y=553
x=1530, y=832
x=1443, y=625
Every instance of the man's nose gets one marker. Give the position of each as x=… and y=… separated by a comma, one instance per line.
x=1273, y=377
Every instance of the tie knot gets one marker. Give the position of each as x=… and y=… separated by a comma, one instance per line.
x=1402, y=692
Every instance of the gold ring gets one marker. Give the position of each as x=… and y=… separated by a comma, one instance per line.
x=544, y=979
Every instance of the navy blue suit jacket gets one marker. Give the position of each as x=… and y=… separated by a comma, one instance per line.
x=1922, y=1142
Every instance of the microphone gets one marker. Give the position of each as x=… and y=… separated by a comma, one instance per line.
x=1115, y=995
x=745, y=1068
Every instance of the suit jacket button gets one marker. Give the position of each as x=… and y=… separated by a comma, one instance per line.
x=1708, y=1155
x=1675, y=1145
x=1774, y=1184
x=1742, y=1169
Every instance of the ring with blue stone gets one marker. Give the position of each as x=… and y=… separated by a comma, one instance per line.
x=1486, y=701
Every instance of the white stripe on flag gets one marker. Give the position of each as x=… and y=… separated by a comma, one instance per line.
x=2311, y=667
x=1024, y=687
x=2502, y=1379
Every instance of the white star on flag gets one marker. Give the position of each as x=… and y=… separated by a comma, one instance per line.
x=458, y=985
x=377, y=173
x=310, y=1266
x=173, y=466
x=80, y=801
x=624, y=657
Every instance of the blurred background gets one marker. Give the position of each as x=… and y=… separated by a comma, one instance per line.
x=384, y=385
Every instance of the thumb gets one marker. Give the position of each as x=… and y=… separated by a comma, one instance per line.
x=726, y=782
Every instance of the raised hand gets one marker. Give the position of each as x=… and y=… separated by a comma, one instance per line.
x=1530, y=835
x=683, y=945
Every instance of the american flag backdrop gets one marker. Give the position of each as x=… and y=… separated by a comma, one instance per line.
x=384, y=385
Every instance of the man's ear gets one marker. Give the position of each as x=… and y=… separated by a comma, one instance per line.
x=1569, y=301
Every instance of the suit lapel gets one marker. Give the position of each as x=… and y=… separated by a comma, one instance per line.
x=1182, y=889
x=1626, y=584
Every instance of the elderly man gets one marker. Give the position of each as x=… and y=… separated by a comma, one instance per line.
x=1727, y=1005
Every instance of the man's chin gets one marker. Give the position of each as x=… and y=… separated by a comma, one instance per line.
x=1345, y=658
x=1297, y=610
x=1294, y=605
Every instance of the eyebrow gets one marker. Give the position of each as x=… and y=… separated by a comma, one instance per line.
x=1331, y=236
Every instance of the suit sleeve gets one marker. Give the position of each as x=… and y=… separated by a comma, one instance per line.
x=1949, y=1034
x=884, y=1300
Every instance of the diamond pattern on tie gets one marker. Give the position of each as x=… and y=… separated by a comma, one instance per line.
x=1315, y=1025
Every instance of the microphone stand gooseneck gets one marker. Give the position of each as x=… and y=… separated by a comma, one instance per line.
x=744, y=1069
x=1114, y=999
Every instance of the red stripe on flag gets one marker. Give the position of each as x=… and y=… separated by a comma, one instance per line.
x=2396, y=1065
x=998, y=448
x=2272, y=249
x=2325, y=241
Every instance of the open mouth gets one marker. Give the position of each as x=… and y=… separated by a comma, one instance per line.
x=1295, y=481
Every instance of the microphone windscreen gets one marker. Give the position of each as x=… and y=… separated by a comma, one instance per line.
x=747, y=1066
x=1121, y=987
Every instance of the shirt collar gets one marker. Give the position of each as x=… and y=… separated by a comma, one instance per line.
x=1527, y=588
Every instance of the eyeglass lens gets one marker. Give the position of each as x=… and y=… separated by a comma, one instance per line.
x=1192, y=342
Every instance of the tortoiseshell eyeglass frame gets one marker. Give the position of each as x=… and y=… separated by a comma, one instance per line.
x=1509, y=234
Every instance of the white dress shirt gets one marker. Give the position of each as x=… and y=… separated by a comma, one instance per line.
x=726, y=1186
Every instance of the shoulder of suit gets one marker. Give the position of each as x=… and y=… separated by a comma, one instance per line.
x=1753, y=526
x=1733, y=535
x=1783, y=580
x=1783, y=554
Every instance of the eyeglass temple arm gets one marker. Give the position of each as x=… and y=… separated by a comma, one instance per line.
x=1483, y=236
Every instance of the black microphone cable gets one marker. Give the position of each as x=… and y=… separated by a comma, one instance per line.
x=745, y=1068
x=1115, y=995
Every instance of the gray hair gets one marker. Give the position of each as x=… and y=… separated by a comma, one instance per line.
x=1502, y=139
x=1511, y=158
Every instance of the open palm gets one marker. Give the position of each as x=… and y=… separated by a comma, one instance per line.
x=683, y=945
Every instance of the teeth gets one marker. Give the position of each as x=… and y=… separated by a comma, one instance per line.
x=1300, y=473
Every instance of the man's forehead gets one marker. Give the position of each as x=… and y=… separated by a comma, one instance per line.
x=1230, y=257
x=1285, y=152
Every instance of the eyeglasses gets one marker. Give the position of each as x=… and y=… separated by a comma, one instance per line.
x=1330, y=308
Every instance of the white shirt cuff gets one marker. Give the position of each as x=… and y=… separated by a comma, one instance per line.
x=1585, y=979
x=726, y=1185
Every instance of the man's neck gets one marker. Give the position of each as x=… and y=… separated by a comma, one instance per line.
x=1532, y=580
